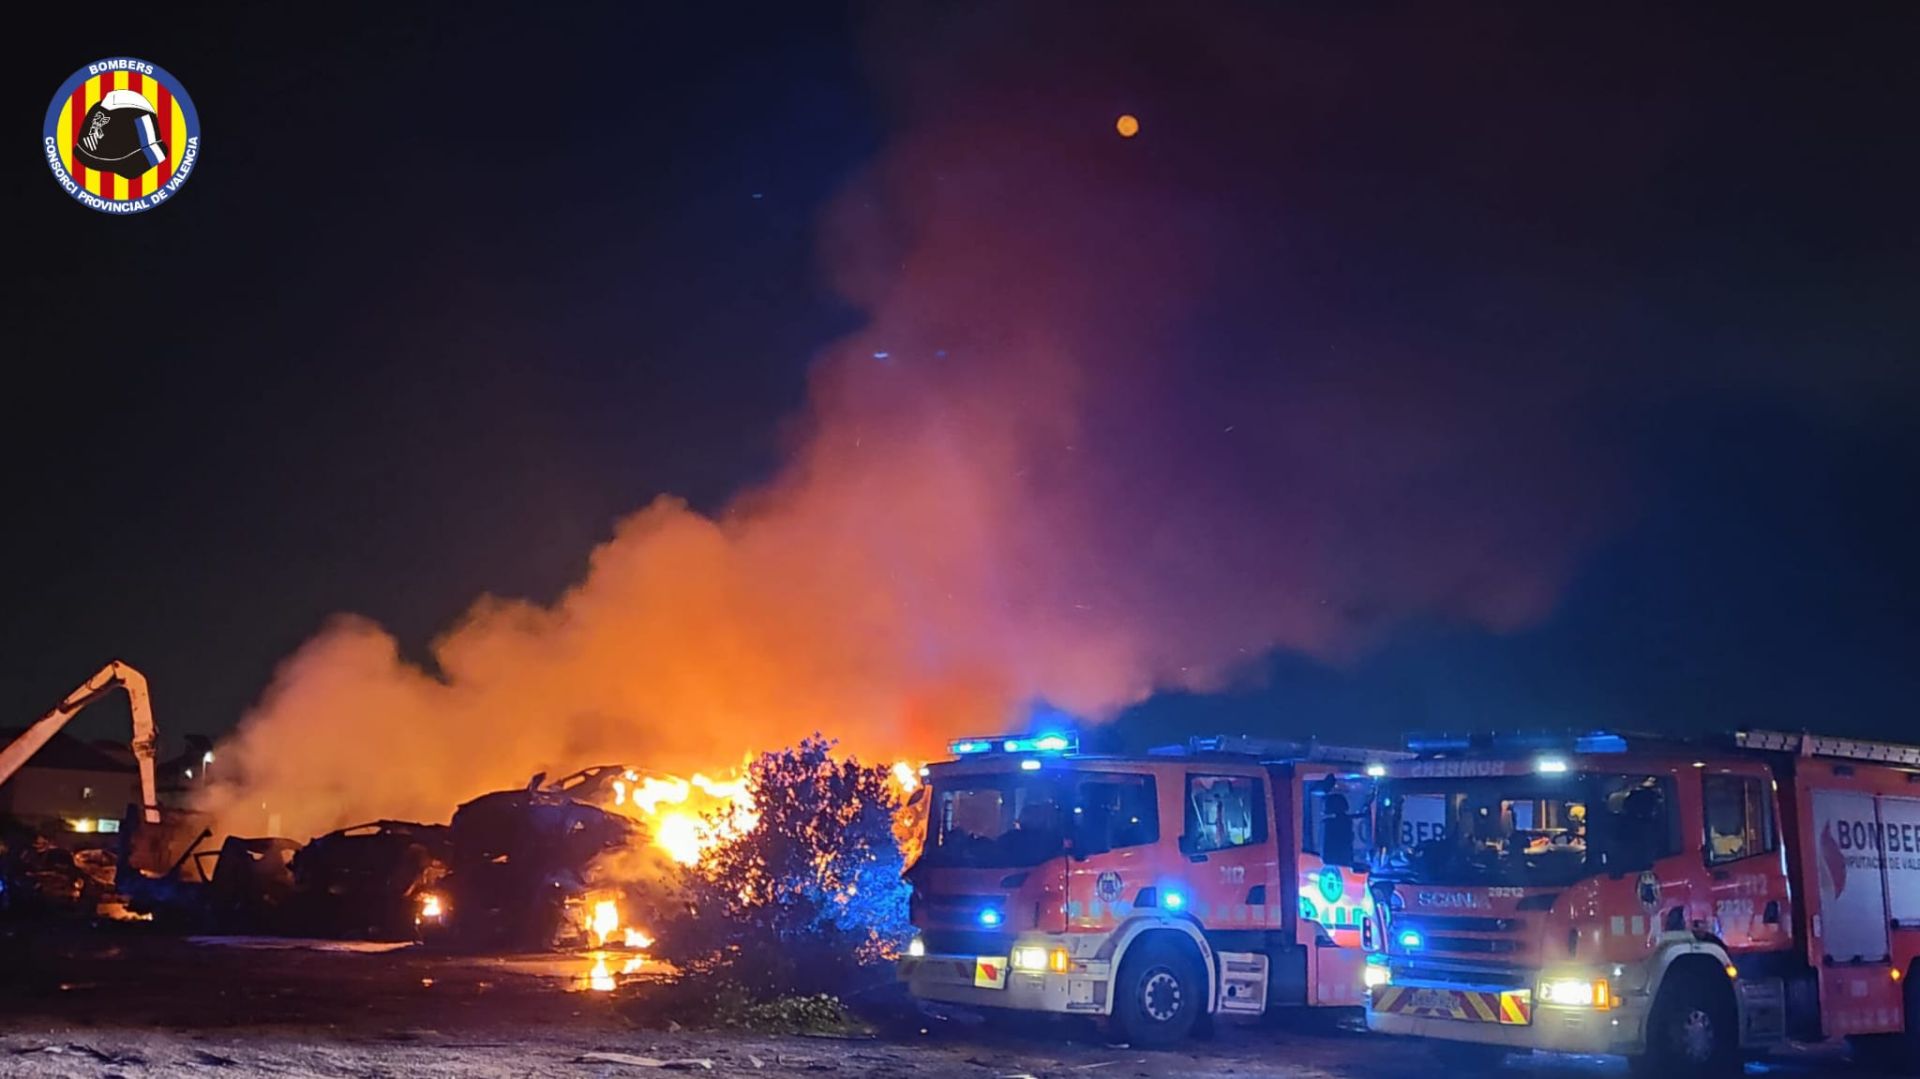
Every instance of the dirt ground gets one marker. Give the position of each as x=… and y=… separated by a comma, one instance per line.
x=76, y=1002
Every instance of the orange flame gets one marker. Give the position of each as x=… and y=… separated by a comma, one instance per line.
x=689, y=817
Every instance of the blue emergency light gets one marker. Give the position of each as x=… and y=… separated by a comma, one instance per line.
x=1410, y=940
x=1519, y=741
x=1172, y=900
x=1039, y=743
x=990, y=917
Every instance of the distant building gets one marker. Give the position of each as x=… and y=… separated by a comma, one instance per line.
x=70, y=787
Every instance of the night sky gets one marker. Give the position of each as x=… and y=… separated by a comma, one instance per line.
x=449, y=294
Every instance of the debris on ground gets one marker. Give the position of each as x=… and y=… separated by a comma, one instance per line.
x=628, y=1059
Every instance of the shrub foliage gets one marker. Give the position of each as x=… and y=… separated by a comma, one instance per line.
x=808, y=901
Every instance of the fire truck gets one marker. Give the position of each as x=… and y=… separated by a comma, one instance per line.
x=1223, y=876
x=1680, y=903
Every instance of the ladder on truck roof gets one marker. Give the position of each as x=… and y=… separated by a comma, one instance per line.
x=1807, y=744
x=1270, y=749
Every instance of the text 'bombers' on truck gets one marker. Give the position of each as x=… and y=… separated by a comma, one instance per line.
x=1225, y=876
x=1680, y=903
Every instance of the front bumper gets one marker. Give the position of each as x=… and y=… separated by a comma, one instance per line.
x=1554, y=1028
x=1083, y=990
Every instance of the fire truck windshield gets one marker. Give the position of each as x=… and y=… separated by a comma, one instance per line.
x=1521, y=830
x=1014, y=819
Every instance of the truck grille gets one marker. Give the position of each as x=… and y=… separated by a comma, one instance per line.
x=1480, y=974
x=946, y=906
x=1466, y=935
x=1442, y=923
x=966, y=942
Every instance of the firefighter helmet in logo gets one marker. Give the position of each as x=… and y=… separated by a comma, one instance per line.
x=121, y=135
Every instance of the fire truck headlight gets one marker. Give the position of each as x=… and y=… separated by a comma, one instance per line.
x=1376, y=975
x=916, y=947
x=1577, y=993
x=1034, y=957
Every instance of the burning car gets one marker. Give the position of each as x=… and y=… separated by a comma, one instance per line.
x=521, y=861
x=374, y=880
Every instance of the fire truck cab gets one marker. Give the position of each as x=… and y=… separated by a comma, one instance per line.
x=1225, y=876
x=1680, y=903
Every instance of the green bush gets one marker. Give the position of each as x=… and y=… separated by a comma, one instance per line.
x=807, y=902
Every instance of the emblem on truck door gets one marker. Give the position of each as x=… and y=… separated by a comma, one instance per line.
x=1106, y=887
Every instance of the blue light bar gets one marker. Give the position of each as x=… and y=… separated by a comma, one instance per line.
x=1046, y=743
x=1520, y=741
x=1437, y=743
x=1040, y=743
x=1600, y=742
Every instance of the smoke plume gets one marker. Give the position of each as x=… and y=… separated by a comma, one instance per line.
x=1124, y=414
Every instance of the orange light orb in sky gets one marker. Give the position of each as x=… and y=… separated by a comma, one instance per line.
x=1128, y=125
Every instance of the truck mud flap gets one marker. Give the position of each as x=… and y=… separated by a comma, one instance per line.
x=1763, y=1012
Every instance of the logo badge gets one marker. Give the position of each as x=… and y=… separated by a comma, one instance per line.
x=989, y=973
x=1833, y=859
x=1333, y=884
x=121, y=135
x=1107, y=887
x=1649, y=889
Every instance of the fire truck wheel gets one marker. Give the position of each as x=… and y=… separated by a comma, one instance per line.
x=1160, y=993
x=1693, y=1027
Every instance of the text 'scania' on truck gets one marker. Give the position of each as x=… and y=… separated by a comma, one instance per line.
x=1224, y=876
x=1682, y=903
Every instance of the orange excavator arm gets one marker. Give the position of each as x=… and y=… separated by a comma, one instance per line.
x=115, y=675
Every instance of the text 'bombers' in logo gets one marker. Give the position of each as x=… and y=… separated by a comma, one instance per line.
x=121, y=135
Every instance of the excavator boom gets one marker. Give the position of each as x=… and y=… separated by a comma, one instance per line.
x=115, y=675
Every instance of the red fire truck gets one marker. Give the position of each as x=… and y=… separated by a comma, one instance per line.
x=1679, y=903
x=1224, y=876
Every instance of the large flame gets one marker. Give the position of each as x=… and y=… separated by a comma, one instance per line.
x=605, y=926
x=689, y=816
x=686, y=817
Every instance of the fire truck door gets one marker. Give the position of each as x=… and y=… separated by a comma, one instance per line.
x=1748, y=888
x=1232, y=867
x=1901, y=819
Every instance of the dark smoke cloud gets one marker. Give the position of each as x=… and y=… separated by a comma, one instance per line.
x=1125, y=415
